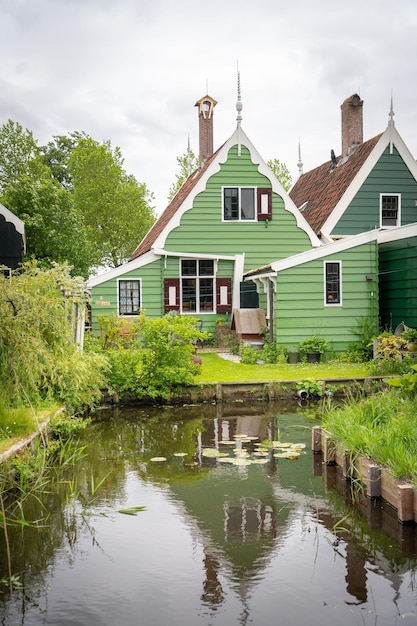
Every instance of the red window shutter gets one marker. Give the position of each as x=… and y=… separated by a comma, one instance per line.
x=171, y=294
x=224, y=295
x=264, y=204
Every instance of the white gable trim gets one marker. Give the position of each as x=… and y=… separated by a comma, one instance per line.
x=239, y=138
x=318, y=253
x=396, y=234
x=194, y=255
x=141, y=261
x=389, y=137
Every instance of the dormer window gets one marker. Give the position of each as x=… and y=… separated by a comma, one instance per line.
x=390, y=205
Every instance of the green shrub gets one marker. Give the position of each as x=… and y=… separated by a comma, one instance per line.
x=249, y=355
x=156, y=358
x=314, y=344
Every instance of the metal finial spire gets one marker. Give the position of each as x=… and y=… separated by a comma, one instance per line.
x=391, y=112
x=391, y=124
x=300, y=163
x=239, y=105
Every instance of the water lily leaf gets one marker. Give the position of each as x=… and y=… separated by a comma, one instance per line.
x=180, y=454
x=240, y=461
x=212, y=453
x=133, y=510
x=259, y=461
x=227, y=443
x=287, y=455
x=157, y=459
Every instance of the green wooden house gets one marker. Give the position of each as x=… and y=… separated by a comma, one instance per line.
x=232, y=238
x=230, y=216
x=371, y=186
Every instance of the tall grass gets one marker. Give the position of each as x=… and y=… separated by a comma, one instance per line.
x=383, y=427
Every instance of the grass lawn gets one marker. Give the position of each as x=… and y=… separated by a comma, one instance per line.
x=214, y=369
x=16, y=424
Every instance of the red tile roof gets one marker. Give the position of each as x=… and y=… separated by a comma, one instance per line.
x=323, y=187
x=150, y=238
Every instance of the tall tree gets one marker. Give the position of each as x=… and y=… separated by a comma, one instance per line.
x=188, y=163
x=55, y=229
x=116, y=208
x=56, y=155
x=18, y=154
x=281, y=171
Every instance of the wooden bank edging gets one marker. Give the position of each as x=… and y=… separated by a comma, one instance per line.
x=377, y=480
x=263, y=390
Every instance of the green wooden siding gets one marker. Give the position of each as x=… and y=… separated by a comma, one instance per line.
x=398, y=283
x=390, y=175
x=203, y=231
x=300, y=311
x=104, y=296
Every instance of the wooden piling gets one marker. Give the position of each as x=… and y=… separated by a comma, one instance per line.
x=316, y=439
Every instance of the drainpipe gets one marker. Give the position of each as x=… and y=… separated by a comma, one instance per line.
x=271, y=310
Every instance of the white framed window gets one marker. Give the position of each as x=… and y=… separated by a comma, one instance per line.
x=390, y=210
x=246, y=204
x=197, y=285
x=129, y=296
x=333, y=283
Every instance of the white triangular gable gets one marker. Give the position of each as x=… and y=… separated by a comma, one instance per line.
x=390, y=137
x=238, y=138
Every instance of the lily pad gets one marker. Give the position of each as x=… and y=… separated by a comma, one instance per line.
x=212, y=453
x=158, y=459
x=241, y=461
x=180, y=454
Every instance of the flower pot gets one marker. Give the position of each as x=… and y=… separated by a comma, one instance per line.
x=313, y=357
x=292, y=356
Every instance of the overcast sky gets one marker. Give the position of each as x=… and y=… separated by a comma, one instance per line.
x=130, y=71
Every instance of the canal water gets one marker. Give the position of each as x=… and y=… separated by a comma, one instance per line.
x=200, y=516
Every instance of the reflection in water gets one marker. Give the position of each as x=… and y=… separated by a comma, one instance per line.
x=232, y=532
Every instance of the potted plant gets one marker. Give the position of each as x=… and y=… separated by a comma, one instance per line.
x=313, y=347
x=410, y=335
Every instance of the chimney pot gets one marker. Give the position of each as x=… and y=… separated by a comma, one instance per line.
x=205, y=121
x=352, y=124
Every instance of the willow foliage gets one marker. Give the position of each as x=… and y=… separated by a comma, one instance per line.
x=39, y=358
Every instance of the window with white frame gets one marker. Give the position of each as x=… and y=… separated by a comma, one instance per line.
x=245, y=204
x=332, y=282
x=197, y=285
x=390, y=209
x=129, y=297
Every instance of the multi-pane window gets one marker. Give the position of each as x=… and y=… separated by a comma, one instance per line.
x=129, y=297
x=197, y=285
x=390, y=209
x=239, y=203
x=332, y=283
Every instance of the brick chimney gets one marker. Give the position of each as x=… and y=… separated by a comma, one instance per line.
x=205, y=124
x=352, y=124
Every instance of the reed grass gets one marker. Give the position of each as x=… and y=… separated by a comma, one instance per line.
x=382, y=427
